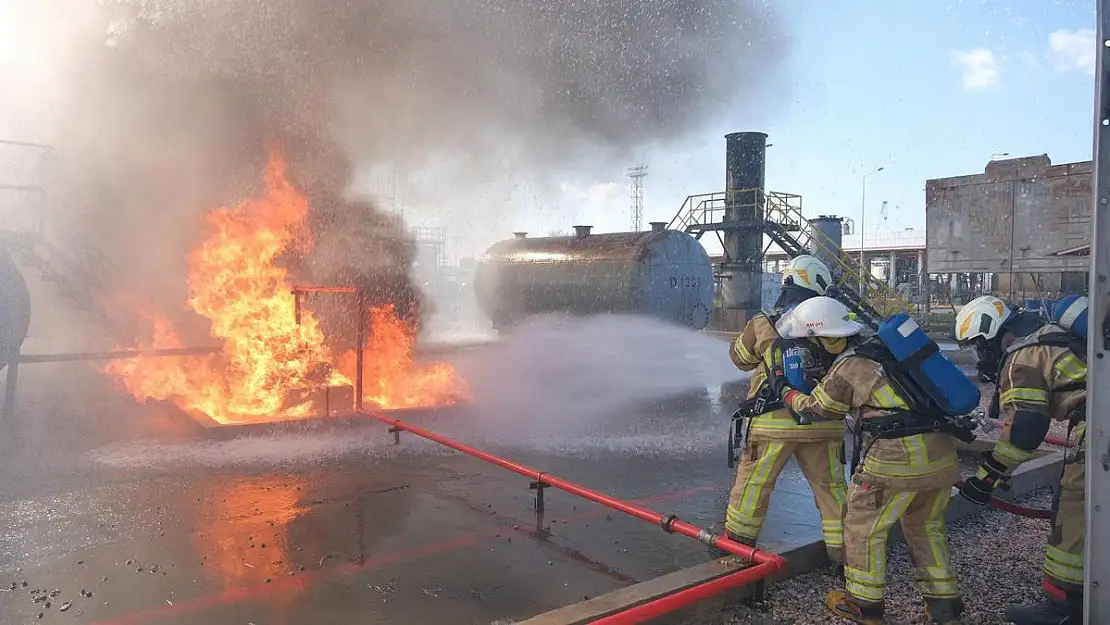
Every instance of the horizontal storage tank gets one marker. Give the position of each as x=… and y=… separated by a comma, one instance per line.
x=664, y=274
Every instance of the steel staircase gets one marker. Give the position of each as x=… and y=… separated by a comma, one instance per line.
x=785, y=225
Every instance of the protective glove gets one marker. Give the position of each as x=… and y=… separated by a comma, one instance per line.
x=980, y=488
x=776, y=380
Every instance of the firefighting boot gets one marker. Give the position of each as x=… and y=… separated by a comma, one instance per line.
x=1050, y=611
x=944, y=611
x=841, y=603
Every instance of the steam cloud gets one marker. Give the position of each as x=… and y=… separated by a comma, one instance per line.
x=171, y=104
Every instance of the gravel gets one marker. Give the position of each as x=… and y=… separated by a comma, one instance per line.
x=997, y=557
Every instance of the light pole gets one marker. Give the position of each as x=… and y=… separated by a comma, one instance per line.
x=862, y=215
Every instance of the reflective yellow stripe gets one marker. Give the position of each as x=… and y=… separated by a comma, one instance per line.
x=900, y=469
x=741, y=520
x=885, y=397
x=870, y=584
x=1029, y=395
x=836, y=474
x=1071, y=368
x=915, y=450
x=938, y=580
x=833, y=531
x=828, y=403
x=1011, y=455
x=742, y=353
x=762, y=424
x=1064, y=566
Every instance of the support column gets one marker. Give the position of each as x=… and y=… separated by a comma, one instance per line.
x=892, y=276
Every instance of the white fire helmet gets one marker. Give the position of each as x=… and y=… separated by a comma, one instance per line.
x=818, y=317
x=809, y=273
x=981, y=317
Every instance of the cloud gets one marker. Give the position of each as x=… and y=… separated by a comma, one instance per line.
x=1073, y=50
x=980, y=68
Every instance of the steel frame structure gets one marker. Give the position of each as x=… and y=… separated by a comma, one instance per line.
x=300, y=293
x=1097, y=560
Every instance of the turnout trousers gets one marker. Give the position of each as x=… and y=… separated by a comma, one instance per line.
x=872, y=511
x=822, y=463
x=1063, y=556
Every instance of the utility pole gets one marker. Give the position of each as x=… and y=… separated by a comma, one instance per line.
x=637, y=174
x=862, y=216
x=1097, y=531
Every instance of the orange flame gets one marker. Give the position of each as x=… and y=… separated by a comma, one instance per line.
x=266, y=354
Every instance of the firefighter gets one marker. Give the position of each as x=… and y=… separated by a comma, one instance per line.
x=1043, y=378
x=989, y=325
x=906, y=474
x=772, y=436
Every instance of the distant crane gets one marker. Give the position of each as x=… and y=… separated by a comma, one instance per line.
x=637, y=174
x=883, y=213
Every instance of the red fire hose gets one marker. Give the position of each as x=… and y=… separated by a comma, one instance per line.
x=765, y=563
x=1013, y=508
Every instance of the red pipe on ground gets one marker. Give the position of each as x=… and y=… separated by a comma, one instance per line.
x=766, y=563
x=685, y=598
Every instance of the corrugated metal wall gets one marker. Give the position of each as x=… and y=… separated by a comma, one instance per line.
x=1011, y=219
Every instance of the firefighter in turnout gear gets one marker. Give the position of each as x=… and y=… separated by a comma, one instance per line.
x=905, y=475
x=771, y=436
x=989, y=325
x=1043, y=377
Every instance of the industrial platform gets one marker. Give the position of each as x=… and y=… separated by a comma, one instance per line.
x=122, y=514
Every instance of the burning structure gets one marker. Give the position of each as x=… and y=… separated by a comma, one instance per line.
x=276, y=357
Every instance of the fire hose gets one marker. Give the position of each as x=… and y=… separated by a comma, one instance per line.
x=764, y=564
x=1013, y=508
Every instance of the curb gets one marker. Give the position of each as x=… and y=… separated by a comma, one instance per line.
x=1037, y=473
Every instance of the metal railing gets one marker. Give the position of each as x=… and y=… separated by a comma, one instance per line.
x=783, y=222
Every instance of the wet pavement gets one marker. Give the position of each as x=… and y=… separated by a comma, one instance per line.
x=114, y=513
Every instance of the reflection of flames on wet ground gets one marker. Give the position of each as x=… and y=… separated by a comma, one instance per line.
x=270, y=361
x=243, y=530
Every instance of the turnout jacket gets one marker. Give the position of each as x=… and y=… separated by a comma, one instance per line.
x=857, y=386
x=1032, y=394
x=753, y=350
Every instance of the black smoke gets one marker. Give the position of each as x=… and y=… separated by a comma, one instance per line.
x=173, y=104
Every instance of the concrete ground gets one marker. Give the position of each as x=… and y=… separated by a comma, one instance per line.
x=114, y=513
x=997, y=557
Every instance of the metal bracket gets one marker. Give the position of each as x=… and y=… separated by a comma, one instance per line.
x=539, y=487
x=668, y=523
x=396, y=432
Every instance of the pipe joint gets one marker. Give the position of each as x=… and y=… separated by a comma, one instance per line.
x=707, y=537
x=668, y=523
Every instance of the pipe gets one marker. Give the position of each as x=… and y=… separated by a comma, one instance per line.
x=1013, y=508
x=669, y=523
x=688, y=596
x=116, y=355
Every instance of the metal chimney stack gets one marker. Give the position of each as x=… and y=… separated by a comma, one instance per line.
x=742, y=269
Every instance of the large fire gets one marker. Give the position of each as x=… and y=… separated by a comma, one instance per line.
x=266, y=355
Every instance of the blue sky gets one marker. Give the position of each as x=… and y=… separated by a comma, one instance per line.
x=923, y=89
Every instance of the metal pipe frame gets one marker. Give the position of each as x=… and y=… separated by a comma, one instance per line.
x=766, y=564
x=1097, y=531
x=360, y=325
